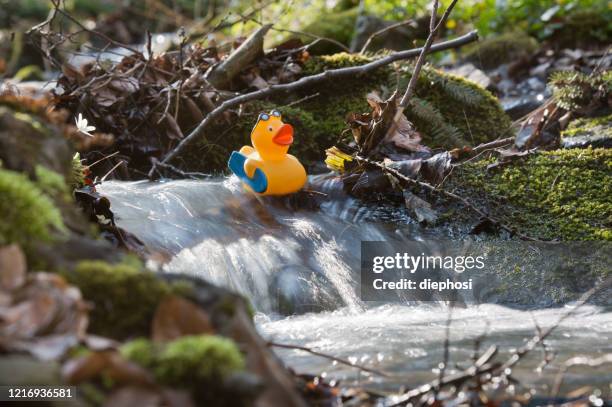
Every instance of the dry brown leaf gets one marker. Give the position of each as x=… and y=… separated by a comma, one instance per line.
x=110, y=363
x=405, y=136
x=12, y=267
x=174, y=131
x=105, y=97
x=176, y=317
x=45, y=316
x=84, y=368
x=127, y=85
x=435, y=168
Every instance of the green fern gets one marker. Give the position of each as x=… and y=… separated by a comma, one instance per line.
x=458, y=90
x=429, y=119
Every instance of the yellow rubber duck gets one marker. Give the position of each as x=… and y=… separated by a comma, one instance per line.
x=266, y=168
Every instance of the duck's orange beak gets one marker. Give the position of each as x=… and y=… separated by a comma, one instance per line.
x=284, y=136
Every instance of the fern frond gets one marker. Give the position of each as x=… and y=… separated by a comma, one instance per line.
x=434, y=124
x=457, y=88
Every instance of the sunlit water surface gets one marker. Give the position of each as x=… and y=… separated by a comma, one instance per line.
x=265, y=248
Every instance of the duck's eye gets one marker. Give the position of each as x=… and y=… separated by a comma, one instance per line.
x=270, y=128
x=264, y=116
x=276, y=113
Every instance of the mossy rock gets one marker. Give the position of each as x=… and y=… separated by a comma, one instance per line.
x=28, y=141
x=28, y=214
x=435, y=112
x=319, y=122
x=540, y=274
x=554, y=195
x=595, y=132
x=495, y=51
x=124, y=295
x=211, y=153
x=576, y=90
x=583, y=28
x=200, y=364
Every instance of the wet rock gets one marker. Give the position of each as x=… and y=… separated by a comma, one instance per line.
x=518, y=107
x=297, y=290
x=593, y=132
x=470, y=72
x=491, y=52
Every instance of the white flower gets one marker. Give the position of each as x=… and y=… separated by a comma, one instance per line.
x=81, y=124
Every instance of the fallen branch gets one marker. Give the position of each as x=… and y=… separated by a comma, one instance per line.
x=221, y=75
x=492, y=144
x=307, y=81
x=451, y=195
x=323, y=355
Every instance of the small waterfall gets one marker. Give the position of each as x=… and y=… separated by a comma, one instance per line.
x=288, y=258
x=282, y=259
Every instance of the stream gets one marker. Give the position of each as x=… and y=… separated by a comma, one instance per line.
x=293, y=259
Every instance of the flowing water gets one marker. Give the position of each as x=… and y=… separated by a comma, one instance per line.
x=288, y=257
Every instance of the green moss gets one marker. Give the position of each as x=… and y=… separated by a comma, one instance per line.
x=435, y=113
x=198, y=358
x=338, y=26
x=187, y=362
x=124, y=295
x=574, y=90
x=33, y=121
x=27, y=213
x=52, y=183
x=339, y=60
x=589, y=125
x=141, y=351
x=562, y=194
x=501, y=49
x=319, y=122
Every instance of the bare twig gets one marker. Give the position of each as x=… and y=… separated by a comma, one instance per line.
x=578, y=361
x=330, y=357
x=302, y=100
x=184, y=174
x=483, y=365
x=307, y=81
x=315, y=37
x=444, y=363
x=492, y=144
x=382, y=31
x=433, y=31
x=449, y=194
x=539, y=337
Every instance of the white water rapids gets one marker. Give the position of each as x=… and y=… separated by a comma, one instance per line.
x=306, y=261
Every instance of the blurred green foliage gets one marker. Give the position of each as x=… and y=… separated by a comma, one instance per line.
x=537, y=17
